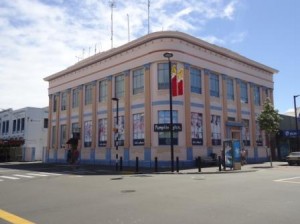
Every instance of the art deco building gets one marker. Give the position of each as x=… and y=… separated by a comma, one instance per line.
x=223, y=93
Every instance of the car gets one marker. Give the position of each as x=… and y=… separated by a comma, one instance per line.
x=293, y=158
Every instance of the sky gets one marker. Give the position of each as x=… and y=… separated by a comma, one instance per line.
x=41, y=37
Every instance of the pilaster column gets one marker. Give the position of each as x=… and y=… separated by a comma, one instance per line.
x=252, y=114
x=147, y=103
x=94, y=114
x=238, y=100
x=187, y=104
x=110, y=121
x=224, y=102
x=50, y=121
x=80, y=115
x=127, y=108
x=69, y=108
x=207, y=111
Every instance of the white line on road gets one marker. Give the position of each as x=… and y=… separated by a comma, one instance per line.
x=11, y=178
x=25, y=176
x=289, y=180
x=38, y=174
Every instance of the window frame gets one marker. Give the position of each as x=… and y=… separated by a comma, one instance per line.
x=196, y=78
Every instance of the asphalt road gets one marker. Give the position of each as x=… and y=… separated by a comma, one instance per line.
x=61, y=196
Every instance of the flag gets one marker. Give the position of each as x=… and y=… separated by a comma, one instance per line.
x=180, y=82
x=174, y=81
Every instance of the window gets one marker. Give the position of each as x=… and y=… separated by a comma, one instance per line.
x=54, y=103
x=103, y=91
x=63, y=135
x=7, y=127
x=138, y=129
x=119, y=86
x=75, y=130
x=75, y=98
x=214, y=85
x=244, y=92
x=259, y=139
x=87, y=133
x=246, y=133
x=196, y=128
x=230, y=89
x=120, y=134
x=88, y=94
x=18, y=125
x=256, y=91
x=163, y=76
x=53, y=136
x=195, y=80
x=164, y=138
x=22, y=124
x=14, y=126
x=3, y=127
x=138, y=81
x=215, y=124
x=45, y=122
x=63, y=105
x=102, y=132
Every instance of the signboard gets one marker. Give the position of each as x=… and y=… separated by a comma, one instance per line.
x=167, y=127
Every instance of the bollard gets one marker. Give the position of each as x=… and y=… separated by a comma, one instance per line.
x=199, y=164
x=220, y=163
x=121, y=163
x=177, y=164
x=155, y=165
x=136, y=164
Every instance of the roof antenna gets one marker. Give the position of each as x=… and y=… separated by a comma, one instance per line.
x=128, y=28
x=148, y=16
x=112, y=5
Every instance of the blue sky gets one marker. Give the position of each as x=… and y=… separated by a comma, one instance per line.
x=41, y=37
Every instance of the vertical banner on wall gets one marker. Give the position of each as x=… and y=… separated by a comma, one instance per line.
x=215, y=124
x=174, y=80
x=180, y=82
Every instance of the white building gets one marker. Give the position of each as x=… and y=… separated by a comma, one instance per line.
x=28, y=126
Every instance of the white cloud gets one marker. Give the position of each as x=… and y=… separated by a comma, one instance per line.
x=41, y=37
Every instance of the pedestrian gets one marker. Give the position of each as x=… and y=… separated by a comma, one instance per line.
x=69, y=156
x=75, y=158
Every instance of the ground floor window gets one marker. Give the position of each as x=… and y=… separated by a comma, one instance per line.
x=196, y=128
x=63, y=135
x=87, y=133
x=138, y=129
x=119, y=134
x=258, y=135
x=215, y=129
x=102, y=132
x=246, y=133
x=164, y=138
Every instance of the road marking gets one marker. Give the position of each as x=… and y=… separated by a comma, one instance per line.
x=11, y=178
x=25, y=176
x=289, y=180
x=38, y=174
x=11, y=218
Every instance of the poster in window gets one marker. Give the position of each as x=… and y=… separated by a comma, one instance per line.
x=138, y=129
x=197, y=128
x=88, y=134
x=102, y=132
x=215, y=124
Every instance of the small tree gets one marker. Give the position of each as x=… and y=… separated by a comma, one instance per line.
x=269, y=121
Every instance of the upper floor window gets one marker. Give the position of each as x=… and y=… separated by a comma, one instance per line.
x=88, y=94
x=102, y=90
x=55, y=103
x=63, y=105
x=14, y=126
x=230, y=89
x=244, y=92
x=138, y=81
x=75, y=98
x=195, y=80
x=214, y=85
x=163, y=76
x=22, y=124
x=256, y=91
x=119, y=86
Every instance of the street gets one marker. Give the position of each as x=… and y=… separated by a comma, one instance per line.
x=55, y=196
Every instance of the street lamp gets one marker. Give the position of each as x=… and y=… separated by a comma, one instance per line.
x=296, y=120
x=116, y=131
x=169, y=55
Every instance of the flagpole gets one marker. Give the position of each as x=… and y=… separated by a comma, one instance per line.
x=169, y=55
